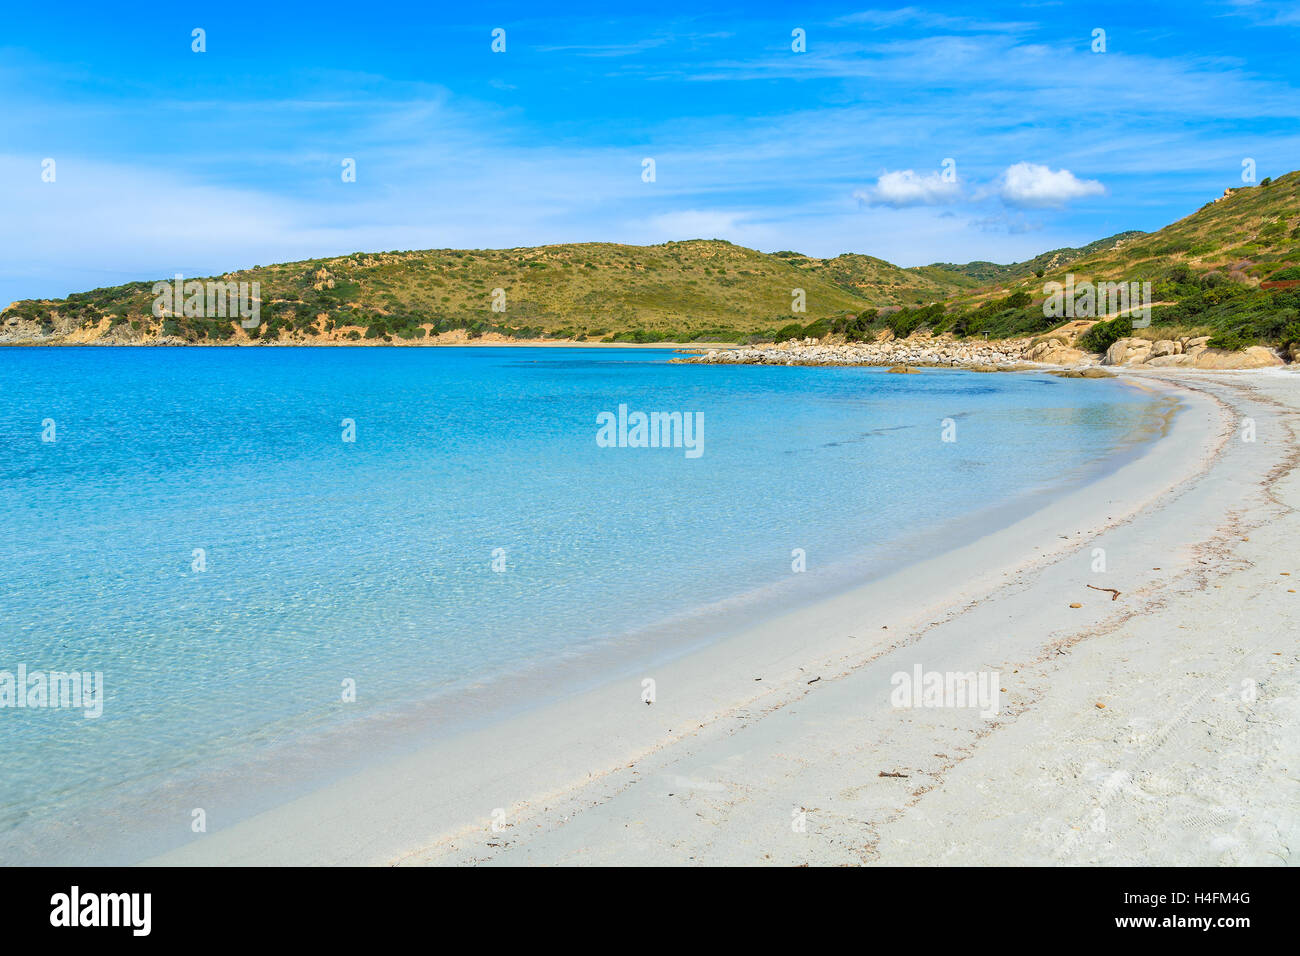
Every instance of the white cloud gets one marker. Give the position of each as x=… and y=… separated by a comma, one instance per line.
x=913, y=16
x=907, y=188
x=1267, y=13
x=1029, y=184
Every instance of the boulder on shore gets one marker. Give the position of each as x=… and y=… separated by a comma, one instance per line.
x=1055, y=352
x=1254, y=357
x=1187, y=353
x=1127, y=352
x=1172, y=361
x=1090, y=372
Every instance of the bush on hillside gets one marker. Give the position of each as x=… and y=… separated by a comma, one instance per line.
x=1105, y=334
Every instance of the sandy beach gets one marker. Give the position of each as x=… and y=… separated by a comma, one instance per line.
x=1155, y=727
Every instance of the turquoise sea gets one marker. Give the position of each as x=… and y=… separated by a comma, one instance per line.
x=200, y=532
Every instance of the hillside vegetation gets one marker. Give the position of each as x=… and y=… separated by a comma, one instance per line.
x=684, y=291
x=1230, y=270
x=984, y=273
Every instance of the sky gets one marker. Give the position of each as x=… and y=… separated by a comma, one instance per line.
x=943, y=132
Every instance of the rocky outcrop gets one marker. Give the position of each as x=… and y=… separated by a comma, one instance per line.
x=1187, y=353
x=1127, y=352
x=1056, y=352
x=1090, y=372
x=1254, y=357
x=1160, y=353
x=901, y=355
x=1171, y=361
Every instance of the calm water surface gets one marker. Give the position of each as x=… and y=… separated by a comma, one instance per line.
x=372, y=560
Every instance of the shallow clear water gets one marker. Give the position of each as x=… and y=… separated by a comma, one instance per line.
x=372, y=560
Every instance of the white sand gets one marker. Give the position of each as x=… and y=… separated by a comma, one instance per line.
x=1184, y=764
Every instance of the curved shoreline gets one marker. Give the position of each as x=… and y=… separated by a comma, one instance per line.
x=587, y=748
x=136, y=817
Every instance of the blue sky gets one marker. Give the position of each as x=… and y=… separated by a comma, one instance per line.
x=172, y=161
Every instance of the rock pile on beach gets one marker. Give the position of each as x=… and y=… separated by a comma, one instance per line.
x=895, y=352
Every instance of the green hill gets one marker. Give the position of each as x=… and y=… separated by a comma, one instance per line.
x=682, y=291
x=880, y=282
x=1206, y=271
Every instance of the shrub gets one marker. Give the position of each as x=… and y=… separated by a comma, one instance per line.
x=855, y=329
x=817, y=329
x=1231, y=340
x=1105, y=334
x=1274, y=230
